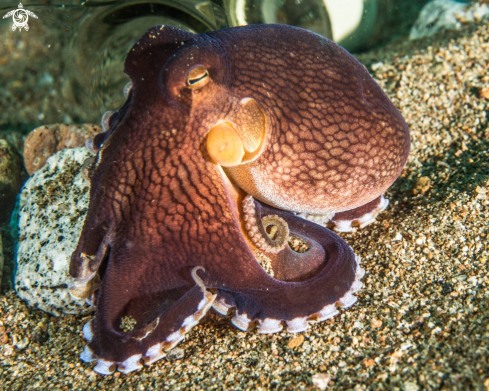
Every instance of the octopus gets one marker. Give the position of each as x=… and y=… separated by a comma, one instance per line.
x=215, y=183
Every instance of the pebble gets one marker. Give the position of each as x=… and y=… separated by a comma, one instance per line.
x=296, y=341
x=52, y=208
x=376, y=323
x=484, y=93
x=321, y=380
x=45, y=140
x=422, y=185
x=176, y=354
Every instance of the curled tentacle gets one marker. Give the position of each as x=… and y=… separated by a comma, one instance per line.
x=307, y=286
x=269, y=233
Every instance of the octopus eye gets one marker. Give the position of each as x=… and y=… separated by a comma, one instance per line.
x=197, y=76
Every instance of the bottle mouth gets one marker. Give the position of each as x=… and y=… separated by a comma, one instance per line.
x=109, y=28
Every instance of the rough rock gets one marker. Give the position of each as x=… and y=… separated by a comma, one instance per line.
x=45, y=140
x=52, y=208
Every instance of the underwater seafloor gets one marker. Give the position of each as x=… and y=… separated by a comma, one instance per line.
x=422, y=318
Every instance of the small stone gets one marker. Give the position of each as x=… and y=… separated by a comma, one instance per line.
x=447, y=288
x=296, y=341
x=398, y=237
x=40, y=333
x=358, y=325
x=8, y=350
x=484, y=93
x=410, y=386
x=274, y=350
x=406, y=345
x=92, y=377
x=368, y=362
x=46, y=140
x=21, y=343
x=481, y=192
x=175, y=354
x=321, y=380
x=376, y=323
x=422, y=185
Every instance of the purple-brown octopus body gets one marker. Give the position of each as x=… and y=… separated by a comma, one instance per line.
x=228, y=145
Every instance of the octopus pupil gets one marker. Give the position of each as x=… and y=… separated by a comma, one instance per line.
x=272, y=231
x=196, y=80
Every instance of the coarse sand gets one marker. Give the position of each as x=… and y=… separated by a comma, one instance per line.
x=422, y=318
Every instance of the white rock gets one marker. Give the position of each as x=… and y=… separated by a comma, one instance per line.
x=321, y=380
x=52, y=207
x=438, y=15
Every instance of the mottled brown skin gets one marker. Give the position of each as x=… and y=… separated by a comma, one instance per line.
x=159, y=206
x=341, y=142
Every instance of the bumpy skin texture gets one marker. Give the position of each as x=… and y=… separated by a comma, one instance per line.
x=338, y=142
x=160, y=207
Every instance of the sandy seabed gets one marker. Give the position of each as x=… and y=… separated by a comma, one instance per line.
x=422, y=318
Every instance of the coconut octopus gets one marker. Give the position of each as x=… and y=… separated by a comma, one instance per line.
x=231, y=145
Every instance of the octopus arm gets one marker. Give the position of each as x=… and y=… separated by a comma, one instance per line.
x=306, y=287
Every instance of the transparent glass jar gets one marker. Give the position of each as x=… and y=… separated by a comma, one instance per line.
x=84, y=43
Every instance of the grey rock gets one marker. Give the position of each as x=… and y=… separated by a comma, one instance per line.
x=52, y=207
